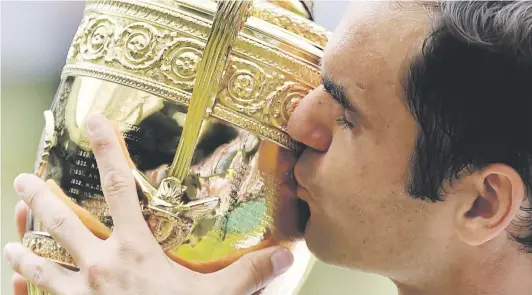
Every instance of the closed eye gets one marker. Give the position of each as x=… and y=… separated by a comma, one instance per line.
x=344, y=123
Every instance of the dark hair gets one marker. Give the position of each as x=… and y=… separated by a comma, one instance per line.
x=470, y=90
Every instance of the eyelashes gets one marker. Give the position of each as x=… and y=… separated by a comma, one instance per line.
x=344, y=123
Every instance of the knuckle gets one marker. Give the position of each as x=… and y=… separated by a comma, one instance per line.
x=34, y=194
x=115, y=183
x=100, y=144
x=96, y=274
x=57, y=222
x=38, y=277
x=130, y=250
x=30, y=198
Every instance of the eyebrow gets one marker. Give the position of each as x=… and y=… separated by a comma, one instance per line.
x=338, y=93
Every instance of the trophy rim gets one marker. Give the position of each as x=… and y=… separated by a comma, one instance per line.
x=259, y=42
x=260, y=23
x=263, y=24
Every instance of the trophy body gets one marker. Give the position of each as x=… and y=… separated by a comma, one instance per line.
x=201, y=94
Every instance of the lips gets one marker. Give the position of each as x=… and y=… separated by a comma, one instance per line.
x=302, y=208
x=301, y=205
x=303, y=215
x=302, y=193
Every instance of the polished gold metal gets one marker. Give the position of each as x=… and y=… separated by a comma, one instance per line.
x=49, y=141
x=302, y=8
x=170, y=219
x=148, y=56
x=300, y=26
x=43, y=244
x=230, y=17
x=201, y=92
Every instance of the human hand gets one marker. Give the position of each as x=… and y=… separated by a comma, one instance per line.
x=130, y=261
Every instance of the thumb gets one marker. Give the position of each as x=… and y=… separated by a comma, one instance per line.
x=255, y=270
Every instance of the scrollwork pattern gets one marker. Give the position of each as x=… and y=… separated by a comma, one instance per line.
x=244, y=89
x=285, y=101
x=140, y=45
x=293, y=23
x=94, y=43
x=256, y=127
x=278, y=16
x=180, y=62
x=133, y=43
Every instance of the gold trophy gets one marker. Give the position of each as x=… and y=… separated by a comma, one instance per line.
x=201, y=92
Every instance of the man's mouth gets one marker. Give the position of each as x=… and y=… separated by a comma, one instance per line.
x=303, y=215
x=302, y=193
x=303, y=209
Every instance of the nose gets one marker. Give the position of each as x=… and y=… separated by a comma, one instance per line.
x=311, y=122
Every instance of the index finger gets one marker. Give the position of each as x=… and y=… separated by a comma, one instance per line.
x=117, y=181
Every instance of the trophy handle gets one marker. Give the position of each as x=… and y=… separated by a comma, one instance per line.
x=49, y=141
x=228, y=21
x=170, y=219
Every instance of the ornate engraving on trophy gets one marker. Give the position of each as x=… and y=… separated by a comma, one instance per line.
x=180, y=62
x=246, y=82
x=95, y=42
x=261, y=92
x=274, y=134
x=161, y=55
x=58, y=108
x=285, y=101
x=297, y=25
x=276, y=15
x=137, y=44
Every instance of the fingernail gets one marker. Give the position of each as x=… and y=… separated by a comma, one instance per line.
x=94, y=122
x=19, y=183
x=281, y=261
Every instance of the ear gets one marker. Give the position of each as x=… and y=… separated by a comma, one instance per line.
x=496, y=197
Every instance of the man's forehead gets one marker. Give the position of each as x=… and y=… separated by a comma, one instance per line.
x=375, y=36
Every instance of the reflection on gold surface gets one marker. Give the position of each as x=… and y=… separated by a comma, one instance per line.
x=246, y=175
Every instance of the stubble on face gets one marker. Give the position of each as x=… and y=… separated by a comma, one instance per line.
x=361, y=216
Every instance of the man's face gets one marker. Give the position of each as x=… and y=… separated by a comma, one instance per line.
x=354, y=172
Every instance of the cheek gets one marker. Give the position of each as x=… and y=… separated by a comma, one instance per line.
x=357, y=180
x=359, y=164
